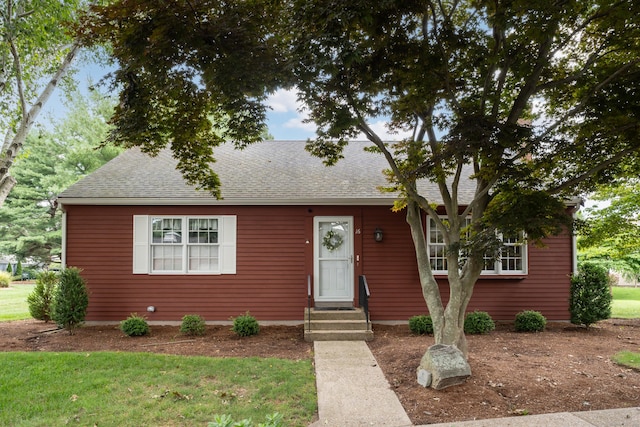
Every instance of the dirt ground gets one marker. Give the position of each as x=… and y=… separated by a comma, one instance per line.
x=563, y=369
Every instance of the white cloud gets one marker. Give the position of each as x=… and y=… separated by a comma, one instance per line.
x=298, y=123
x=283, y=101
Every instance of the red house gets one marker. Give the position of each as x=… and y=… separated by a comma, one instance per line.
x=286, y=224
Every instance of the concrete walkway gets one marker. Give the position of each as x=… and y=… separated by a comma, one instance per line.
x=353, y=392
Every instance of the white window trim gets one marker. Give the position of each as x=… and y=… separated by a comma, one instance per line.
x=227, y=225
x=497, y=270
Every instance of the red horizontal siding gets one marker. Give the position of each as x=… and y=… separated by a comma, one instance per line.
x=274, y=260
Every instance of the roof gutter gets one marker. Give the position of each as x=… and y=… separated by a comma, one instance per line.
x=119, y=201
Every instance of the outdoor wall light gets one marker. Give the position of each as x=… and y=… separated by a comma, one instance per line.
x=151, y=309
x=377, y=235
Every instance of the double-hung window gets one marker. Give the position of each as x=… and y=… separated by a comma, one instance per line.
x=184, y=244
x=512, y=258
x=512, y=255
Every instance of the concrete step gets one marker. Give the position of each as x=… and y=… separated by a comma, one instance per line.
x=339, y=325
x=333, y=335
x=336, y=325
x=324, y=314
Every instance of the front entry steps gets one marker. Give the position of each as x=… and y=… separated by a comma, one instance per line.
x=336, y=325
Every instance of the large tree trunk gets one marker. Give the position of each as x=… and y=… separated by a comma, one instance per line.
x=448, y=322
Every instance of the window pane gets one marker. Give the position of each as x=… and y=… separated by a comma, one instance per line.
x=489, y=263
x=435, y=236
x=512, y=254
x=438, y=257
x=166, y=230
x=203, y=258
x=166, y=258
x=203, y=231
x=202, y=254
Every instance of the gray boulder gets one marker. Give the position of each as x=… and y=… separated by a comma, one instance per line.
x=443, y=366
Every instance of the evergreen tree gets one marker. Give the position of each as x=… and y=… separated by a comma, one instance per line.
x=40, y=301
x=590, y=298
x=30, y=221
x=71, y=300
x=19, y=269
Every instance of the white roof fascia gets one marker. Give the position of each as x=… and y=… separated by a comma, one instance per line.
x=223, y=202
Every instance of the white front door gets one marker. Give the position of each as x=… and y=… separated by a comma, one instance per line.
x=333, y=259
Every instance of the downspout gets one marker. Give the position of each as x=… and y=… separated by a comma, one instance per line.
x=64, y=237
x=578, y=201
x=574, y=249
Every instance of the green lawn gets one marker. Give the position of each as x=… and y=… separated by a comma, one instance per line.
x=13, y=302
x=627, y=358
x=138, y=389
x=626, y=302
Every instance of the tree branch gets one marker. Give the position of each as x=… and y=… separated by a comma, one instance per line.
x=583, y=102
x=18, y=70
x=28, y=118
x=529, y=88
x=589, y=173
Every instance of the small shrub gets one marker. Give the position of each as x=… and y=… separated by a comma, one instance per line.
x=421, y=325
x=5, y=279
x=71, y=300
x=478, y=322
x=134, y=326
x=590, y=296
x=246, y=325
x=10, y=269
x=530, y=321
x=40, y=300
x=192, y=324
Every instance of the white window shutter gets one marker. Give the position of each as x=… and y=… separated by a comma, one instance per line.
x=140, y=244
x=228, y=244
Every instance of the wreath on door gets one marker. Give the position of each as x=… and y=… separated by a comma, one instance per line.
x=332, y=240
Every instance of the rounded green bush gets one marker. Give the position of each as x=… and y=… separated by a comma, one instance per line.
x=421, y=324
x=478, y=322
x=530, y=321
x=134, y=326
x=5, y=279
x=192, y=324
x=246, y=325
x=589, y=295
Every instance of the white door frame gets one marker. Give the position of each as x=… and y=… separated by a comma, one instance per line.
x=345, y=256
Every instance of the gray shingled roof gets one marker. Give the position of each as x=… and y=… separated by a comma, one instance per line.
x=267, y=173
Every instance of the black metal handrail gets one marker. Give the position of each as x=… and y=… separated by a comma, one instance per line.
x=363, y=296
x=309, y=303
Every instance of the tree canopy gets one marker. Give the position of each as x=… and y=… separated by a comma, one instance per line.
x=611, y=234
x=540, y=99
x=36, y=53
